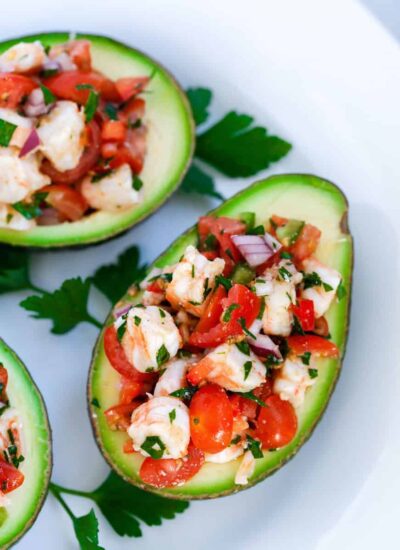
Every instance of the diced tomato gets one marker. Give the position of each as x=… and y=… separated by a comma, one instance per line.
x=278, y=221
x=113, y=130
x=155, y=287
x=306, y=243
x=14, y=88
x=10, y=477
x=66, y=200
x=3, y=383
x=169, y=472
x=314, y=344
x=210, y=254
x=119, y=416
x=248, y=308
x=321, y=327
x=304, y=312
x=79, y=51
x=130, y=390
x=109, y=150
x=211, y=419
x=132, y=151
x=133, y=110
x=128, y=87
x=64, y=86
x=212, y=311
x=264, y=391
x=242, y=406
x=87, y=161
x=276, y=423
x=116, y=355
x=128, y=447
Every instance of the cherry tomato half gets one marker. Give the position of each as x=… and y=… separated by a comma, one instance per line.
x=13, y=88
x=314, y=344
x=276, y=423
x=10, y=477
x=67, y=200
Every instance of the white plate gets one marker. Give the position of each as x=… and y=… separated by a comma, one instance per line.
x=325, y=75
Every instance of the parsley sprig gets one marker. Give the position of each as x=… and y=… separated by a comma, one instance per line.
x=123, y=506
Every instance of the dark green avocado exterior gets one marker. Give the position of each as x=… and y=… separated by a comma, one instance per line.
x=306, y=197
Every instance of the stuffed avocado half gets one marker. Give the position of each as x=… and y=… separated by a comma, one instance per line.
x=97, y=135
x=298, y=204
x=25, y=440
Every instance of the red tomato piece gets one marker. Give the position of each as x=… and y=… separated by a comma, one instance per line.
x=10, y=477
x=276, y=423
x=64, y=86
x=134, y=110
x=79, y=51
x=169, y=472
x=119, y=416
x=242, y=406
x=321, y=327
x=211, y=419
x=314, y=344
x=13, y=89
x=306, y=243
x=130, y=389
x=132, y=151
x=128, y=447
x=113, y=130
x=212, y=311
x=87, y=161
x=116, y=355
x=304, y=312
x=130, y=86
x=67, y=200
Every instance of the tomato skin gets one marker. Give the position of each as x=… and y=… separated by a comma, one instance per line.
x=119, y=416
x=306, y=243
x=249, y=307
x=321, y=327
x=3, y=381
x=213, y=310
x=132, y=151
x=242, y=406
x=169, y=472
x=314, y=344
x=276, y=423
x=130, y=86
x=211, y=419
x=64, y=84
x=130, y=390
x=13, y=88
x=304, y=312
x=87, y=161
x=66, y=200
x=10, y=477
x=116, y=355
x=113, y=130
x=133, y=110
x=79, y=51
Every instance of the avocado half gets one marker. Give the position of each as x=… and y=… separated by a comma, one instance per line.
x=304, y=197
x=27, y=500
x=170, y=144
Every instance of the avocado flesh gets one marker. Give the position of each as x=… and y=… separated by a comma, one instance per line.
x=26, y=501
x=294, y=196
x=170, y=143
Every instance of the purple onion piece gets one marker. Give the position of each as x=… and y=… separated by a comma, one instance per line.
x=121, y=310
x=32, y=142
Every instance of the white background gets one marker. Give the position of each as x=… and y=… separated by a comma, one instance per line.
x=324, y=75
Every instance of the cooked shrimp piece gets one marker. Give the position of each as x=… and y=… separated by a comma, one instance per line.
x=12, y=219
x=174, y=377
x=151, y=337
x=160, y=428
x=246, y=469
x=192, y=280
x=113, y=192
x=62, y=135
x=23, y=58
x=10, y=421
x=230, y=368
x=292, y=381
x=322, y=295
x=278, y=317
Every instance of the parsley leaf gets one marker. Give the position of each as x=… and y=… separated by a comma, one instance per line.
x=250, y=395
x=254, y=447
x=305, y=358
x=247, y=368
x=14, y=270
x=162, y=356
x=185, y=393
x=87, y=531
x=31, y=209
x=154, y=446
x=199, y=99
x=237, y=148
x=341, y=291
x=66, y=307
x=91, y=105
x=48, y=95
x=313, y=373
x=124, y=505
x=197, y=181
x=111, y=111
x=224, y=281
x=113, y=280
x=6, y=132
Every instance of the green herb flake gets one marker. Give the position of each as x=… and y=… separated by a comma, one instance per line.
x=95, y=402
x=226, y=317
x=162, y=313
x=98, y=177
x=137, y=183
x=172, y=415
x=262, y=309
x=327, y=287
x=153, y=446
x=259, y=230
x=237, y=439
x=121, y=331
x=223, y=281
x=137, y=320
x=341, y=291
x=250, y=395
x=284, y=274
x=313, y=373
x=185, y=393
x=162, y=356
x=254, y=447
x=311, y=279
x=31, y=209
x=242, y=323
x=210, y=242
x=247, y=368
x=193, y=271
x=111, y=111
x=91, y=105
x=297, y=328
x=305, y=358
x=243, y=347
x=285, y=255
x=48, y=96
x=7, y=130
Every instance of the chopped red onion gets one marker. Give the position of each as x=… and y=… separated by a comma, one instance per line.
x=121, y=310
x=253, y=248
x=263, y=345
x=64, y=62
x=32, y=143
x=51, y=65
x=35, y=104
x=272, y=242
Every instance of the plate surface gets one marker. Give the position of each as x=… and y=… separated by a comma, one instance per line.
x=325, y=76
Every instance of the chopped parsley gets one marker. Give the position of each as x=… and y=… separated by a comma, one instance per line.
x=242, y=323
x=236, y=440
x=247, y=368
x=297, y=328
x=305, y=358
x=210, y=242
x=121, y=330
x=162, y=313
x=95, y=402
x=341, y=291
x=207, y=289
x=162, y=356
x=91, y=105
x=250, y=395
x=285, y=255
x=243, y=347
x=48, y=96
x=259, y=230
x=228, y=252
x=262, y=309
x=193, y=271
x=31, y=210
x=311, y=279
x=98, y=177
x=137, y=183
x=284, y=274
x=313, y=373
x=223, y=281
x=137, y=320
x=6, y=132
x=184, y=393
x=226, y=317
x=172, y=415
x=254, y=447
x=154, y=446
x=327, y=287
x=111, y=111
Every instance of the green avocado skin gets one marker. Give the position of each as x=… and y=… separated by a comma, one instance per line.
x=25, y=396
x=170, y=117
x=299, y=196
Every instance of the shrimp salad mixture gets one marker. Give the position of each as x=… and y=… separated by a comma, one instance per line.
x=10, y=444
x=217, y=358
x=72, y=142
